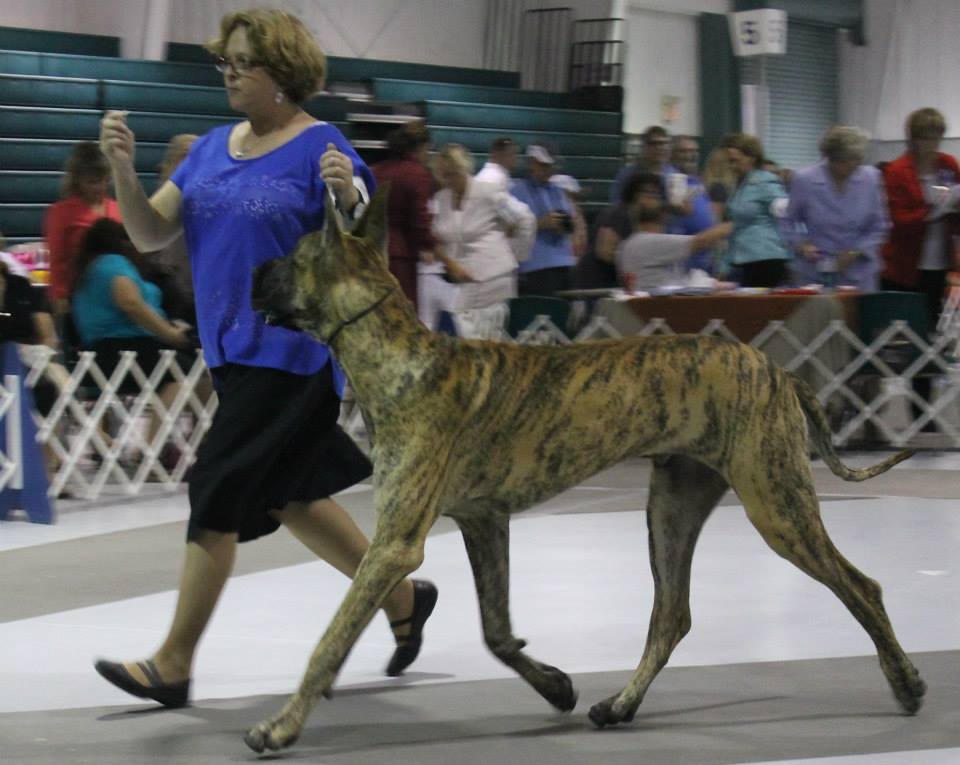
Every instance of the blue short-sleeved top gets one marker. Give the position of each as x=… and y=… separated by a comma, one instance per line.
x=95, y=313
x=239, y=213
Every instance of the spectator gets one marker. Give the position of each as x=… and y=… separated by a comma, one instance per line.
x=614, y=225
x=754, y=208
x=693, y=214
x=654, y=158
x=169, y=268
x=115, y=309
x=650, y=257
x=837, y=216
x=498, y=169
x=25, y=319
x=472, y=223
x=408, y=216
x=919, y=186
x=84, y=199
x=573, y=190
x=548, y=269
x=719, y=180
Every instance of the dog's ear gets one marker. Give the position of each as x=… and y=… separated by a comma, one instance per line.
x=332, y=231
x=372, y=225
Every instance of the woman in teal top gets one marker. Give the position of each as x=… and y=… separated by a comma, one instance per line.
x=755, y=207
x=115, y=309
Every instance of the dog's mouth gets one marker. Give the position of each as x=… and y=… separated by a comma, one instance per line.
x=271, y=296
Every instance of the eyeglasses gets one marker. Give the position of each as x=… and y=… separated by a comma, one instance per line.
x=240, y=64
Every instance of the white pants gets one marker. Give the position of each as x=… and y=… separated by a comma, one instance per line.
x=434, y=295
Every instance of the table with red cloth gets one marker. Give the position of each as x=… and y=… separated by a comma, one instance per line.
x=746, y=316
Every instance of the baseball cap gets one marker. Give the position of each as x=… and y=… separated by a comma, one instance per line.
x=540, y=153
x=566, y=182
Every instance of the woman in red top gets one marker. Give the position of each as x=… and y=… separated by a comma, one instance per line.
x=411, y=187
x=86, y=181
x=920, y=250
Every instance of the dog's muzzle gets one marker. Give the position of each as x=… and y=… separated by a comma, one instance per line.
x=273, y=289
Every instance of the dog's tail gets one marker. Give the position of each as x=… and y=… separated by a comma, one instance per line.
x=821, y=436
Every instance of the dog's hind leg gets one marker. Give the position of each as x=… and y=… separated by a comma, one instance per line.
x=487, y=539
x=782, y=504
x=683, y=492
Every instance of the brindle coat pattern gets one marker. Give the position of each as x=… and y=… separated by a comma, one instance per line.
x=479, y=430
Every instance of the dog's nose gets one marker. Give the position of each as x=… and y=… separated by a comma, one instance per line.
x=272, y=292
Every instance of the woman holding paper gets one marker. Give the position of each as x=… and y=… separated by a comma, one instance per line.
x=922, y=191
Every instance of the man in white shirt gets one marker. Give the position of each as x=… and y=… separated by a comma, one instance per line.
x=497, y=169
x=496, y=172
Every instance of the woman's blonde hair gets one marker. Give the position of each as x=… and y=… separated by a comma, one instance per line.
x=458, y=156
x=283, y=45
x=717, y=170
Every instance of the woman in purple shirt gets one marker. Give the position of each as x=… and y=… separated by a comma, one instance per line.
x=837, y=216
x=274, y=454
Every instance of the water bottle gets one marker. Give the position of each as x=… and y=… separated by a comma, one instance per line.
x=827, y=271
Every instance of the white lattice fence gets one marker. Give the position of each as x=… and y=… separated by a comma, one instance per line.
x=98, y=439
x=98, y=436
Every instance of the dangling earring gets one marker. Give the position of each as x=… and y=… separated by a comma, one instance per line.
x=279, y=97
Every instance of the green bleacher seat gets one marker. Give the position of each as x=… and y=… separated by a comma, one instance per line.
x=46, y=41
x=84, y=124
x=361, y=69
x=84, y=93
x=21, y=220
x=51, y=154
x=567, y=144
x=182, y=99
x=410, y=91
x=43, y=186
x=102, y=67
x=31, y=90
x=521, y=118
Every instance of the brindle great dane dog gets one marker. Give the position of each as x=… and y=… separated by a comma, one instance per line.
x=479, y=430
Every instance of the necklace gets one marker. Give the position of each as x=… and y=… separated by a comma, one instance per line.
x=244, y=149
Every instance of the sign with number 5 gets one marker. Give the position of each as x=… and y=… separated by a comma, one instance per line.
x=760, y=32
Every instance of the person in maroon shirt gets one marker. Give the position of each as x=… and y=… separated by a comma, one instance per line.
x=408, y=217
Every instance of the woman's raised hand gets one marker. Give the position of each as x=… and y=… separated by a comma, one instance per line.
x=116, y=139
x=336, y=169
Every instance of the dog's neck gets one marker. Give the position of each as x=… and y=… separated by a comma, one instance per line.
x=385, y=353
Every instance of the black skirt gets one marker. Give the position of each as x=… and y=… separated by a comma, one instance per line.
x=274, y=439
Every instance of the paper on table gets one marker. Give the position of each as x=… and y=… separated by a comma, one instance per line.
x=947, y=199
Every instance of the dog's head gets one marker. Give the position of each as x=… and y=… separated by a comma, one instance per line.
x=330, y=277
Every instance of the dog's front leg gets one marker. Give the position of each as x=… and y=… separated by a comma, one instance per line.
x=395, y=551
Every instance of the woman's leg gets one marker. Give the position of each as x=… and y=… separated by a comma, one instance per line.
x=327, y=529
x=207, y=565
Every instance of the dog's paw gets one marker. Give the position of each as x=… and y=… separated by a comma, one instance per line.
x=910, y=696
x=557, y=688
x=275, y=734
x=606, y=712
